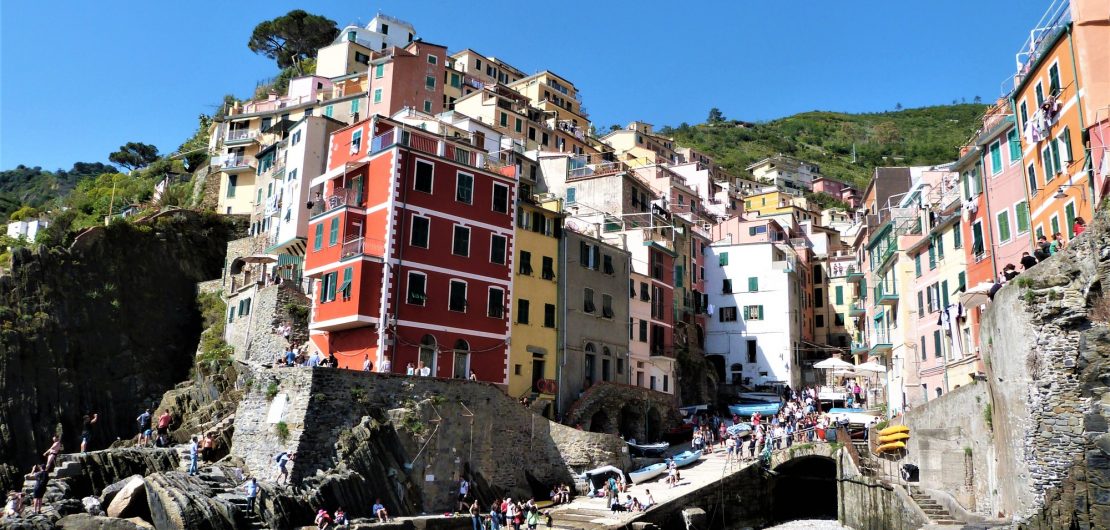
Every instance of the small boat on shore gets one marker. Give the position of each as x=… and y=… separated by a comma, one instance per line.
x=686, y=458
x=748, y=409
x=645, y=474
x=759, y=397
x=739, y=429
x=648, y=450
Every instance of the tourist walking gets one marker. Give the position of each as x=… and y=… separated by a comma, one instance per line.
x=251, y=488
x=144, y=425
x=194, y=455
x=386, y=366
x=464, y=491
x=283, y=458
x=367, y=366
x=495, y=515
x=475, y=515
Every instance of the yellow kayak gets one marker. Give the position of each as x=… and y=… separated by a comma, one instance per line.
x=896, y=437
x=892, y=446
x=894, y=430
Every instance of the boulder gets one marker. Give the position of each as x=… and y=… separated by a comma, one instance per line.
x=84, y=521
x=109, y=492
x=92, y=506
x=177, y=500
x=130, y=501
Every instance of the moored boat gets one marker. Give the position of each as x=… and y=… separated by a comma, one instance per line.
x=656, y=449
x=748, y=409
x=645, y=474
x=686, y=458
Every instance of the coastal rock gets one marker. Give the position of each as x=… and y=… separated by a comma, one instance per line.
x=84, y=521
x=110, y=491
x=130, y=501
x=177, y=500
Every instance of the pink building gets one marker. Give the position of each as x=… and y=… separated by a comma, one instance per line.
x=836, y=189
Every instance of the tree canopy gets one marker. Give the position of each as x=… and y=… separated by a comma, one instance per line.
x=134, y=155
x=292, y=37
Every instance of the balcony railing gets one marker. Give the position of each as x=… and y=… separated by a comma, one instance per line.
x=473, y=157
x=236, y=162
x=338, y=198
x=361, y=246
x=237, y=135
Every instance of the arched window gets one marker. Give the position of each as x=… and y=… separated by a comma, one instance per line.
x=605, y=351
x=428, y=353
x=589, y=365
x=462, y=359
x=590, y=348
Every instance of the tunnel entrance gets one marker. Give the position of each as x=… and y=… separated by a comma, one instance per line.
x=599, y=422
x=804, y=488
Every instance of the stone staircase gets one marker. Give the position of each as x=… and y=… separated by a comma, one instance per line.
x=226, y=489
x=580, y=519
x=937, y=514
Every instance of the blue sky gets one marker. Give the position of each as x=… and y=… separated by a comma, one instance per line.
x=80, y=78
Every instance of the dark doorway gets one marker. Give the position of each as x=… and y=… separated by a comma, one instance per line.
x=599, y=422
x=654, y=422
x=632, y=422
x=814, y=475
x=718, y=362
x=537, y=374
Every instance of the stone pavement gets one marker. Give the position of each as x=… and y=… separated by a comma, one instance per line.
x=592, y=513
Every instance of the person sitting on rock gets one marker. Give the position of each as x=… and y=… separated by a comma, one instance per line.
x=341, y=518
x=14, y=507
x=649, y=501
x=379, y=511
x=323, y=520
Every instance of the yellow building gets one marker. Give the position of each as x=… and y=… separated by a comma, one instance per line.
x=638, y=145
x=533, y=356
x=555, y=96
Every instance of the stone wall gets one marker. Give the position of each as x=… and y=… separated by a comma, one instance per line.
x=1047, y=363
x=362, y=435
x=254, y=337
x=626, y=410
x=869, y=504
x=953, y=446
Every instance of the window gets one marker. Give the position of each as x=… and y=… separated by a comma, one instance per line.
x=1015, y=145
x=497, y=249
x=1046, y=163
x=457, y=297
x=333, y=233
x=588, y=300
x=549, y=315
x=1069, y=218
x=421, y=228
x=751, y=350
x=838, y=319
x=460, y=242
x=354, y=108
x=607, y=264
x=631, y=288
x=1021, y=216
x=231, y=181
x=519, y=125
x=644, y=327
x=385, y=29
x=917, y=264
x=839, y=295
x=819, y=321
x=932, y=255
x=427, y=106
x=645, y=293
x=1055, y=222
x=938, y=346
x=1065, y=139
x=379, y=71
x=1003, y=226
x=996, y=157
x=817, y=273
x=977, y=238
x=548, y=271
x=727, y=314
x=318, y=241
x=525, y=263
x=1039, y=90
x=417, y=288
x=940, y=246
x=504, y=121
x=753, y=312
x=1054, y=79
x=924, y=352
x=1024, y=115
x=327, y=287
x=500, y=198
x=296, y=139
x=423, y=180
x=430, y=82
x=753, y=284
x=722, y=260
x=726, y=286
x=657, y=306
x=329, y=110
x=957, y=237
x=818, y=297
x=377, y=95
x=1031, y=174
x=944, y=294
x=570, y=195
x=456, y=81
x=606, y=306
x=432, y=59
x=962, y=279
x=589, y=255
x=496, y=306
x=345, y=287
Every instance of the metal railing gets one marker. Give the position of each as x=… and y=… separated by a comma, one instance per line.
x=241, y=134
x=236, y=162
x=354, y=245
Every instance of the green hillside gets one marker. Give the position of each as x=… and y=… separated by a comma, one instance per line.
x=35, y=186
x=928, y=135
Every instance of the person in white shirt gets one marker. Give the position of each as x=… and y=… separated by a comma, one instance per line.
x=409, y=370
x=423, y=370
x=386, y=366
x=367, y=366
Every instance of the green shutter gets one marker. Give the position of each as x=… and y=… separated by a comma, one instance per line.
x=319, y=240
x=932, y=256
x=331, y=285
x=1066, y=137
x=760, y=312
x=937, y=348
x=944, y=293
x=1054, y=148
x=839, y=294
x=996, y=158
x=328, y=110
x=753, y=284
x=963, y=280
x=723, y=259
x=1021, y=211
x=333, y=234
x=1015, y=145
x=1069, y=214
x=957, y=237
x=940, y=246
x=917, y=264
x=1055, y=226
x=1003, y=226
x=967, y=186
x=354, y=106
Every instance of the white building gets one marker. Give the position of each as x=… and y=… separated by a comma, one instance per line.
x=786, y=173
x=754, y=298
x=350, y=52
x=26, y=229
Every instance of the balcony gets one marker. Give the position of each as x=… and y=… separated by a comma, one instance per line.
x=338, y=198
x=857, y=309
x=881, y=342
x=886, y=294
x=240, y=136
x=860, y=347
x=460, y=154
x=854, y=274
x=236, y=164
x=355, y=246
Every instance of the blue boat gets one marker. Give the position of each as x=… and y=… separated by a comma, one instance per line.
x=648, y=450
x=686, y=458
x=748, y=409
x=739, y=429
x=645, y=474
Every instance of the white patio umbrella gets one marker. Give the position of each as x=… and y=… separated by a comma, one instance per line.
x=871, y=366
x=833, y=363
x=977, y=296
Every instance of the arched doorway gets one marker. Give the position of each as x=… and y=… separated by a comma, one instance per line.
x=652, y=431
x=632, y=421
x=701, y=335
x=599, y=422
x=718, y=362
x=816, y=476
x=462, y=360
x=427, y=354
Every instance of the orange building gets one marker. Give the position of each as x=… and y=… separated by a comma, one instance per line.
x=1047, y=98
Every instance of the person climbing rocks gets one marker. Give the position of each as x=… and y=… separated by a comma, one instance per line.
x=88, y=421
x=194, y=455
x=251, y=488
x=39, y=491
x=283, y=458
x=52, y=453
x=144, y=424
x=164, y=422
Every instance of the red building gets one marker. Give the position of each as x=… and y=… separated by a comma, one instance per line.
x=411, y=243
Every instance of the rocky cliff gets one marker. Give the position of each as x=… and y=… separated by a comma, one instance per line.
x=106, y=325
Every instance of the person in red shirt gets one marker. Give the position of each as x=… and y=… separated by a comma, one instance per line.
x=1079, y=226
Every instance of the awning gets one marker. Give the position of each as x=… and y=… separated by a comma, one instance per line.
x=293, y=247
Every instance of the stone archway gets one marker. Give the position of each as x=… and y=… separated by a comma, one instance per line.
x=718, y=362
x=653, y=429
x=599, y=422
x=632, y=421
x=813, y=474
